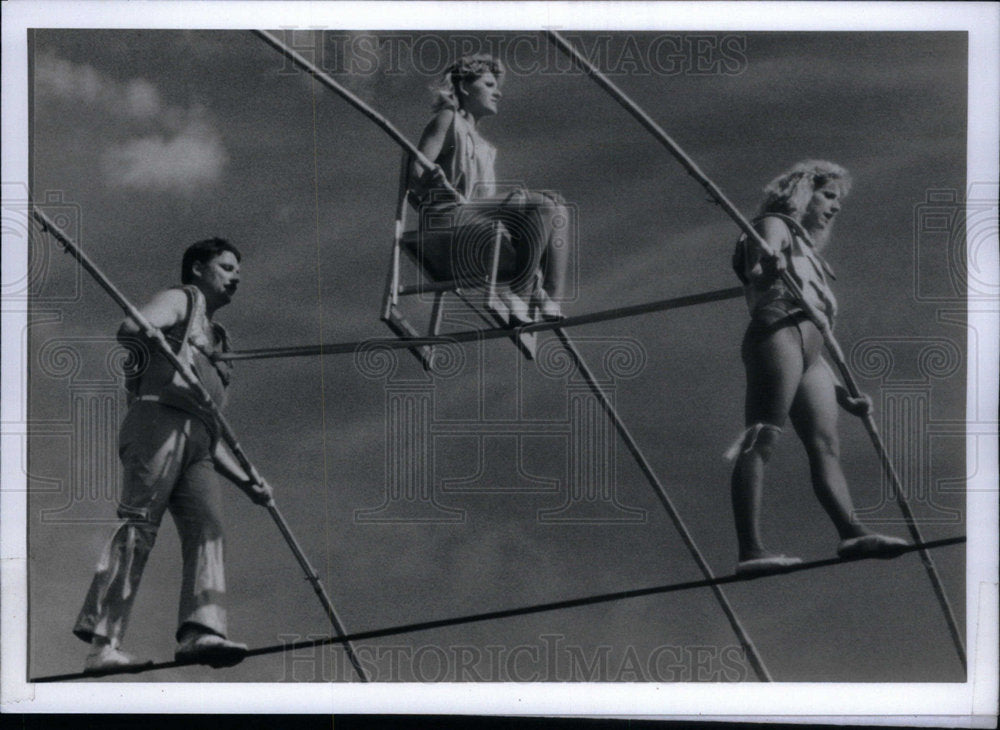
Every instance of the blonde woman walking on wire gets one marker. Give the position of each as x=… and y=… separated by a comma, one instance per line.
x=787, y=375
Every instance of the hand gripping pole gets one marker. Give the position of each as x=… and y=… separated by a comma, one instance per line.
x=225, y=429
x=836, y=354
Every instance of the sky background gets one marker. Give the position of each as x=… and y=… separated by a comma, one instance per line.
x=156, y=139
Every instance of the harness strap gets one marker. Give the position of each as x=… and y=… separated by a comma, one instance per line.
x=739, y=255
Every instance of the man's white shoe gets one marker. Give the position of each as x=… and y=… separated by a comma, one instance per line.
x=106, y=658
x=210, y=649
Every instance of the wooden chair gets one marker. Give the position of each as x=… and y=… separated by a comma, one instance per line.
x=429, y=249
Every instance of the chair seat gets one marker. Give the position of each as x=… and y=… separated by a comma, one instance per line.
x=434, y=253
x=451, y=264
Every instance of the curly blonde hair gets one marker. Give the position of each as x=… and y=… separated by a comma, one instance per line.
x=466, y=68
x=789, y=193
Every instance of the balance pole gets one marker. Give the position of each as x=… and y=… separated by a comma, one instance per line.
x=836, y=354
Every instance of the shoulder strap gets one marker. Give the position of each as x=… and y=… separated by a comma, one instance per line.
x=196, y=306
x=800, y=231
x=179, y=332
x=740, y=254
x=792, y=224
x=196, y=312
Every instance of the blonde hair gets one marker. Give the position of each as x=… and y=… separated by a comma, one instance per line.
x=790, y=192
x=466, y=68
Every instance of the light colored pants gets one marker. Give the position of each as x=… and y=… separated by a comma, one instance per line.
x=167, y=456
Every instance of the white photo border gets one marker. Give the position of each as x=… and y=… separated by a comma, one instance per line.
x=971, y=704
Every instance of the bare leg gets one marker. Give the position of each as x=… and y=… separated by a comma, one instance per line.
x=521, y=216
x=774, y=367
x=814, y=414
x=538, y=224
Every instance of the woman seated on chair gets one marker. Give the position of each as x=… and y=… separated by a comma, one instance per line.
x=785, y=369
x=536, y=223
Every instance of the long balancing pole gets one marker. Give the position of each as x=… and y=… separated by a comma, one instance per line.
x=836, y=354
x=748, y=646
x=228, y=435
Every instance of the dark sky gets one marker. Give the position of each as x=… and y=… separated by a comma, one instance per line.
x=161, y=138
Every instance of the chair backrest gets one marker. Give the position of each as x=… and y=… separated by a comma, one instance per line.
x=403, y=196
x=431, y=249
x=428, y=251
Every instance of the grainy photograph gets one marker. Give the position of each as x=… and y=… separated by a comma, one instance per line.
x=646, y=356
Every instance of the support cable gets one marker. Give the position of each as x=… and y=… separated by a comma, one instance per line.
x=836, y=354
x=508, y=613
x=398, y=343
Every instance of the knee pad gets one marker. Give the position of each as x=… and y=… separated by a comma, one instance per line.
x=759, y=437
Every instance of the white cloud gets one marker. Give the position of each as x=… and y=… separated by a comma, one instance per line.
x=182, y=162
x=182, y=154
x=59, y=80
x=142, y=99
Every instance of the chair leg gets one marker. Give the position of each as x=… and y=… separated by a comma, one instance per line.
x=391, y=297
x=402, y=328
x=437, y=313
x=497, y=309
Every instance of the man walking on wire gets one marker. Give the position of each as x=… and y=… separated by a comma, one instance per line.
x=171, y=453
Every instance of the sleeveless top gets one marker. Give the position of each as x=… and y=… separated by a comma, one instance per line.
x=469, y=161
x=770, y=300
x=195, y=341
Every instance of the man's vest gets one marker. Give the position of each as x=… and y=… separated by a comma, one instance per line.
x=196, y=341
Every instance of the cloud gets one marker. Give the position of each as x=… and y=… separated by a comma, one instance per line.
x=192, y=158
x=182, y=154
x=59, y=80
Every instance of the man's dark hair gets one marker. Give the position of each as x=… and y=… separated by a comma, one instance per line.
x=203, y=252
